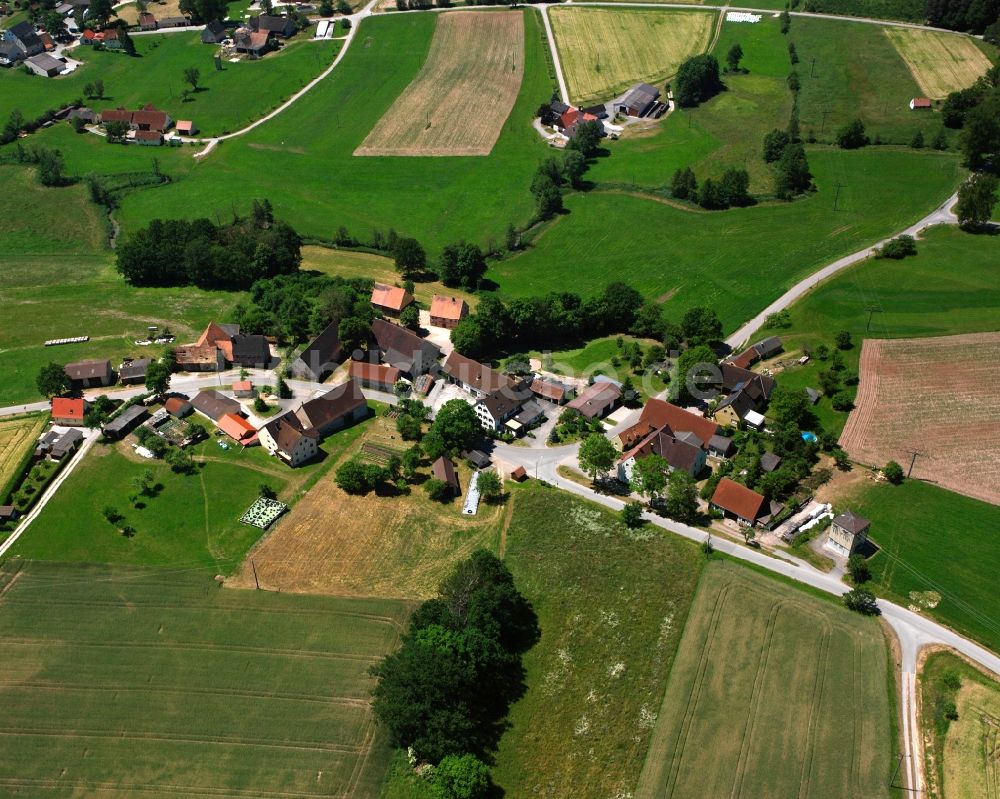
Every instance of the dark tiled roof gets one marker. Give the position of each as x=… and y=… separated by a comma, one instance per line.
x=769, y=461
x=213, y=404
x=321, y=355
x=475, y=374
x=851, y=522
x=338, y=402
x=404, y=349
x=443, y=469
x=88, y=370
x=252, y=349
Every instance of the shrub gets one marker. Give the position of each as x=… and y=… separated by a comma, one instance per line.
x=852, y=135
x=861, y=601
x=898, y=248
x=631, y=515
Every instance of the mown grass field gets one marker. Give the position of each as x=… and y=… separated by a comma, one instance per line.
x=933, y=540
x=124, y=682
x=226, y=100
x=603, y=52
x=940, y=62
x=611, y=604
x=18, y=435
x=767, y=684
x=947, y=288
x=962, y=754
x=737, y=261
x=476, y=62
x=335, y=543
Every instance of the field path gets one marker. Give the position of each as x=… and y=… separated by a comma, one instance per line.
x=556, y=63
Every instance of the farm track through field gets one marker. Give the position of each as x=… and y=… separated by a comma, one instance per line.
x=814, y=711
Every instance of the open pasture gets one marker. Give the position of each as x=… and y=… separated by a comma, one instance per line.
x=612, y=604
x=336, y=543
x=934, y=396
x=18, y=435
x=768, y=684
x=460, y=100
x=605, y=51
x=133, y=682
x=940, y=62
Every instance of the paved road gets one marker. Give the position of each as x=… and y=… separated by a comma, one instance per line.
x=90, y=438
x=942, y=215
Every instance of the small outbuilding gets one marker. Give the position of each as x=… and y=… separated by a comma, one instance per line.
x=920, y=104
x=45, y=65
x=125, y=422
x=443, y=469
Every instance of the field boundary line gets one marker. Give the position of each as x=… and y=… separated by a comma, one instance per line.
x=755, y=694
x=187, y=790
x=814, y=711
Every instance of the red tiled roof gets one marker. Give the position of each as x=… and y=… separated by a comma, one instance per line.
x=148, y=135
x=451, y=308
x=921, y=102
x=657, y=414
x=243, y=385
x=373, y=372
x=237, y=427
x=392, y=297
x=745, y=359
x=63, y=408
x=738, y=499
x=548, y=390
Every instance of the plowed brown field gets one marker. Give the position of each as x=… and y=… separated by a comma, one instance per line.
x=939, y=397
x=458, y=102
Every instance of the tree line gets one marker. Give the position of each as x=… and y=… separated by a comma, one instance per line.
x=445, y=693
x=198, y=252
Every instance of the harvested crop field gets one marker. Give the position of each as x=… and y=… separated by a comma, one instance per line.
x=401, y=546
x=940, y=62
x=17, y=436
x=124, y=682
x=768, y=683
x=458, y=102
x=939, y=397
x=604, y=51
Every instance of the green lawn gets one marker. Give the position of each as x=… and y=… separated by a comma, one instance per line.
x=126, y=682
x=611, y=604
x=931, y=539
x=769, y=683
x=735, y=261
x=225, y=101
x=949, y=287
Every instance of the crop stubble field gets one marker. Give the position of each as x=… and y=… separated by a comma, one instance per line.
x=335, y=543
x=767, y=685
x=17, y=436
x=475, y=65
x=604, y=51
x=121, y=682
x=940, y=62
x=934, y=396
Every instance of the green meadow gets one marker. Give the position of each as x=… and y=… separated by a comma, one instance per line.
x=225, y=100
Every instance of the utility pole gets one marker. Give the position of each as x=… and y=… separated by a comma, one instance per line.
x=913, y=459
x=836, y=198
x=892, y=779
x=812, y=68
x=822, y=126
x=254, y=567
x=871, y=310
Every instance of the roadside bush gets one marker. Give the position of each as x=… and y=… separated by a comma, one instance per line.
x=861, y=601
x=898, y=248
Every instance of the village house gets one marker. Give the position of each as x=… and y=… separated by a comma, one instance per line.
x=132, y=372
x=848, y=531
x=243, y=389
x=390, y=300
x=25, y=38
x=238, y=429
x=550, y=390
x=474, y=377
x=147, y=118
x=194, y=358
x=213, y=33
x=252, y=43
x=659, y=415
x=285, y=438
x=321, y=356
x=209, y=402
x=447, y=312
x=443, y=469
x=62, y=444
x=125, y=422
x=597, y=400
x=10, y=53
x=147, y=22
x=571, y=119
x=733, y=409
x=738, y=502
x=282, y=27
x=404, y=349
x=497, y=409
x=69, y=411
x=148, y=138
x=684, y=452
x=380, y=377
x=87, y=374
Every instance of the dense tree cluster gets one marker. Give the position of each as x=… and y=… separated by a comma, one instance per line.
x=462, y=265
x=732, y=189
x=976, y=16
x=976, y=111
x=204, y=11
x=852, y=135
x=528, y=323
x=697, y=80
x=977, y=197
x=555, y=173
x=446, y=691
x=198, y=252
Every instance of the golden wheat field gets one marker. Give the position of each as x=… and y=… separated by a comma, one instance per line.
x=940, y=62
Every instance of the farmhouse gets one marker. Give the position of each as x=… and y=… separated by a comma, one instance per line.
x=765, y=348
x=148, y=118
x=66, y=411
x=337, y=408
x=549, y=390
x=45, y=65
x=474, y=377
x=149, y=138
x=920, y=104
x=390, y=300
x=213, y=33
x=125, y=422
x=147, y=22
x=285, y=438
x=738, y=502
x=570, y=121
x=87, y=374
x=848, y=531
x=209, y=402
x=597, y=400
x=23, y=36
x=320, y=357
x=443, y=469
x=758, y=386
x=64, y=444
x=221, y=345
x=639, y=101
x=252, y=43
x=373, y=375
x=682, y=452
x=659, y=415
x=238, y=429
x=497, y=409
x=404, y=349
x=447, y=312
x=131, y=372
x=174, y=22
x=282, y=27
x=194, y=358
x=733, y=409
x=10, y=53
